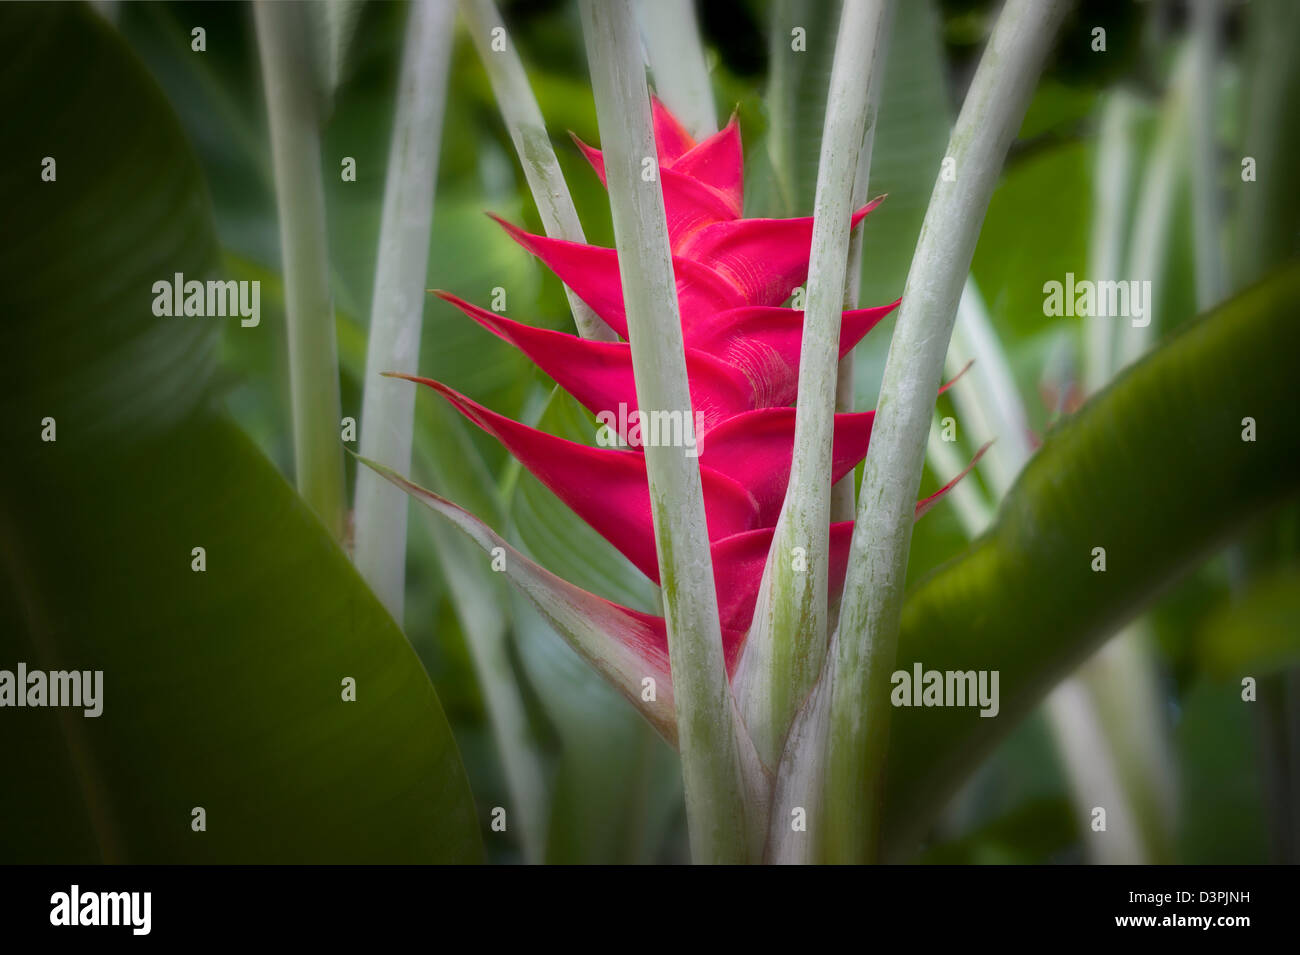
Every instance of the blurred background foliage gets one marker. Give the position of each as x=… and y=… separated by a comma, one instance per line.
x=613, y=790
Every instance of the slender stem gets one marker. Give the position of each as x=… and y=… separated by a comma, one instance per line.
x=523, y=118
x=787, y=642
x=480, y=607
x=387, y=405
x=300, y=201
x=988, y=404
x=867, y=637
x=1153, y=220
x=338, y=21
x=545, y=178
x=972, y=509
x=1262, y=237
x=672, y=40
x=780, y=103
x=1112, y=187
x=843, y=502
x=1206, y=216
x=724, y=824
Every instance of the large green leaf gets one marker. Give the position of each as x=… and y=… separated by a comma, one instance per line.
x=222, y=689
x=1156, y=471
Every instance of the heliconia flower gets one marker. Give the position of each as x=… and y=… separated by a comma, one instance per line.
x=742, y=357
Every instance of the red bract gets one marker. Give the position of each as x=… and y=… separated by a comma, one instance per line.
x=742, y=358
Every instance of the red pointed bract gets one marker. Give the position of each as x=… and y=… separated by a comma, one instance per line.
x=592, y=272
x=717, y=162
x=763, y=259
x=756, y=448
x=671, y=140
x=606, y=487
x=599, y=374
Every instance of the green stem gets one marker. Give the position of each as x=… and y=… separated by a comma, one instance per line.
x=1206, y=216
x=388, y=406
x=300, y=201
x=1263, y=237
x=1112, y=186
x=1153, y=219
x=973, y=511
x=725, y=824
x=843, y=501
x=672, y=40
x=481, y=606
x=787, y=642
x=866, y=640
x=523, y=118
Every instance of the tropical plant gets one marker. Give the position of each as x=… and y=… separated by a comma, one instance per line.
x=689, y=491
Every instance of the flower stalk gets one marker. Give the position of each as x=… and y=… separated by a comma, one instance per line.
x=787, y=644
x=523, y=119
x=672, y=42
x=864, y=647
x=1154, y=217
x=387, y=406
x=293, y=112
x=1112, y=197
x=724, y=824
x=843, y=500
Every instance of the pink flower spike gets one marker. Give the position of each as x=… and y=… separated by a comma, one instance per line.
x=756, y=449
x=733, y=641
x=592, y=272
x=717, y=162
x=763, y=259
x=606, y=487
x=689, y=204
x=599, y=374
x=762, y=342
x=671, y=139
x=738, y=563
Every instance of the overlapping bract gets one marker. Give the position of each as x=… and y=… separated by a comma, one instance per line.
x=742, y=357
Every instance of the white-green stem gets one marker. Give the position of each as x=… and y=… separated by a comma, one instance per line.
x=292, y=110
x=1153, y=220
x=106, y=9
x=725, y=825
x=480, y=607
x=787, y=641
x=867, y=636
x=334, y=22
x=523, y=118
x=972, y=509
x=780, y=102
x=672, y=42
x=388, y=405
x=1111, y=188
x=1111, y=730
x=843, y=500
x=1258, y=243
x=987, y=402
x=1206, y=215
